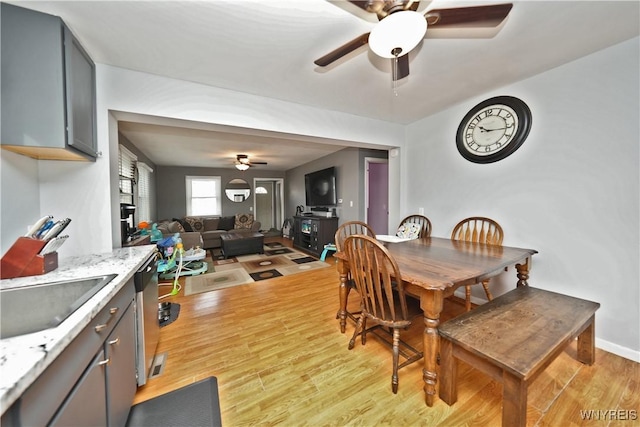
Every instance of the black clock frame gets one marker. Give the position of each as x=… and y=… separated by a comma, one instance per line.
x=524, y=126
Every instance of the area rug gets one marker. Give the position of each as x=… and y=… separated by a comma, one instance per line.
x=276, y=261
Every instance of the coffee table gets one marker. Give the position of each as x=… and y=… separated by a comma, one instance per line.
x=234, y=244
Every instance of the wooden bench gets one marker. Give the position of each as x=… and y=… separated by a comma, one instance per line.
x=513, y=339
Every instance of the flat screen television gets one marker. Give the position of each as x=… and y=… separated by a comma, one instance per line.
x=320, y=187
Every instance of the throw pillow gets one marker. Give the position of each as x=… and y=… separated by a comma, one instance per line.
x=170, y=227
x=226, y=223
x=409, y=231
x=196, y=222
x=184, y=224
x=211, y=224
x=244, y=221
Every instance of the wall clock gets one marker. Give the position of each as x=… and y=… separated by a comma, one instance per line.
x=493, y=129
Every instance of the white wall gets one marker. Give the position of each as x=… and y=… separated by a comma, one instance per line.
x=20, y=205
x=571, y=191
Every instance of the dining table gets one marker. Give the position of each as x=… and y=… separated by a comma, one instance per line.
x=432, y=268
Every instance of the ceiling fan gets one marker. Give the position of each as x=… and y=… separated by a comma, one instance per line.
x=401, y=28
x=243, y=163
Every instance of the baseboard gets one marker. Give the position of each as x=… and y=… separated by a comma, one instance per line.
x=616, y=349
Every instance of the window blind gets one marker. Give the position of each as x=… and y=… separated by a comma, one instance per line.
x=126, y=170
x=144, y=192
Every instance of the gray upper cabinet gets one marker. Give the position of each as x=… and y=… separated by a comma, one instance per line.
x=48, y=88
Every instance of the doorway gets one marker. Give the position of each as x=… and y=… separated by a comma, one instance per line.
x=376, y=186
x=268, y=202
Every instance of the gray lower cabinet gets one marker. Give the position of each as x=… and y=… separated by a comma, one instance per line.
x=86, y=405
x=48, y=88
x=121, y=384
x=93, y=381
x=104, y=394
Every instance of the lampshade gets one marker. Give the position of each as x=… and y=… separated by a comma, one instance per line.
x=242, y=166
x=403, y=30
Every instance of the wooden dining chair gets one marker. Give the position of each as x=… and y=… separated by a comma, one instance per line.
x=422, y=221
x=382, y=298
x=481, y=230
x=345, y=230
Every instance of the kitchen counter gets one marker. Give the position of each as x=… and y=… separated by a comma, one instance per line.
x=24, y=358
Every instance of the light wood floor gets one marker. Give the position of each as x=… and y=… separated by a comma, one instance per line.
x=280, y=359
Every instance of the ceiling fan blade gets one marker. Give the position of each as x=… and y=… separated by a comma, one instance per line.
x=258, y=163
x=361, y=4
x=473, y=16
x=342, y=50
x=401, y=69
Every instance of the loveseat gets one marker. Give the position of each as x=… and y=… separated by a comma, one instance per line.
x=210, y=228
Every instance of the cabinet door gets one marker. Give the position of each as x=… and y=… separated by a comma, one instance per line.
x=48, y=88
x=297, y=235
x=86, y=405
x=121, y=371
x=32, y=79
x=80, y=96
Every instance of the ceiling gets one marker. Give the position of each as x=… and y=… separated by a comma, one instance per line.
x=267, y=48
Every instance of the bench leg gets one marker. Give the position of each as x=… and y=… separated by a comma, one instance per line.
x=514, y=401
x=586, y=343
x=448, y=373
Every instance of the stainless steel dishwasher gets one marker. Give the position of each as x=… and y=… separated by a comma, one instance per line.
x=147, y=324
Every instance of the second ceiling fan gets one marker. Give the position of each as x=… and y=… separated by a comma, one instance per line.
x=401, y=28
x=243, y=162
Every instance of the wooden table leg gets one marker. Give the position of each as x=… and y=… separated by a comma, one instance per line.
x=431, y=302
x=343, y=291
x=523, y=272
x=587, y=343
x=514, y=401
x=448, y=373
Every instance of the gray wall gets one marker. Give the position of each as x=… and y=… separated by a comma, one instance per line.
x=349, y=164
x=172, y=196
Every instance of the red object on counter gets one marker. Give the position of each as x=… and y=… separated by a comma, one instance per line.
x=24, y=259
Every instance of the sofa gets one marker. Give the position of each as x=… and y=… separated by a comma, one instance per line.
x=209, y=229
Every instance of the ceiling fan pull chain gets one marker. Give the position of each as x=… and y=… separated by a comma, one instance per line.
x=394, y=69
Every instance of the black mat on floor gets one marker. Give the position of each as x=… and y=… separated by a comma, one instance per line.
x=174, y=311
x=193, y=405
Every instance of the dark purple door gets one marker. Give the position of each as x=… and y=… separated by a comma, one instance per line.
x=378, y=209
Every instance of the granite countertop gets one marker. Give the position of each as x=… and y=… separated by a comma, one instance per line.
x=24, y=358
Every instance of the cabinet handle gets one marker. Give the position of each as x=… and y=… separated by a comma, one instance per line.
x=112, y=311
x=104, y=362
x=115, y=342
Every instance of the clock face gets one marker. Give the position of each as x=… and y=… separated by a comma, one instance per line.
x=493, y=129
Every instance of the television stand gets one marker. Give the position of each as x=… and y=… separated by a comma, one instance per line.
x=312, y=233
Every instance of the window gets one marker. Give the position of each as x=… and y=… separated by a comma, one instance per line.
x=144, y=192
x=126, y=170
x=203, y=195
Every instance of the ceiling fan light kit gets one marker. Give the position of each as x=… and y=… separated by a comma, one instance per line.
x=401, y=30
x=243, y=163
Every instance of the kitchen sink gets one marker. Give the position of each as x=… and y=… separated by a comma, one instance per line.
x=39, y=307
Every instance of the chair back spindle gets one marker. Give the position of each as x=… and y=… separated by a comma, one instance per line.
x=478, y=229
